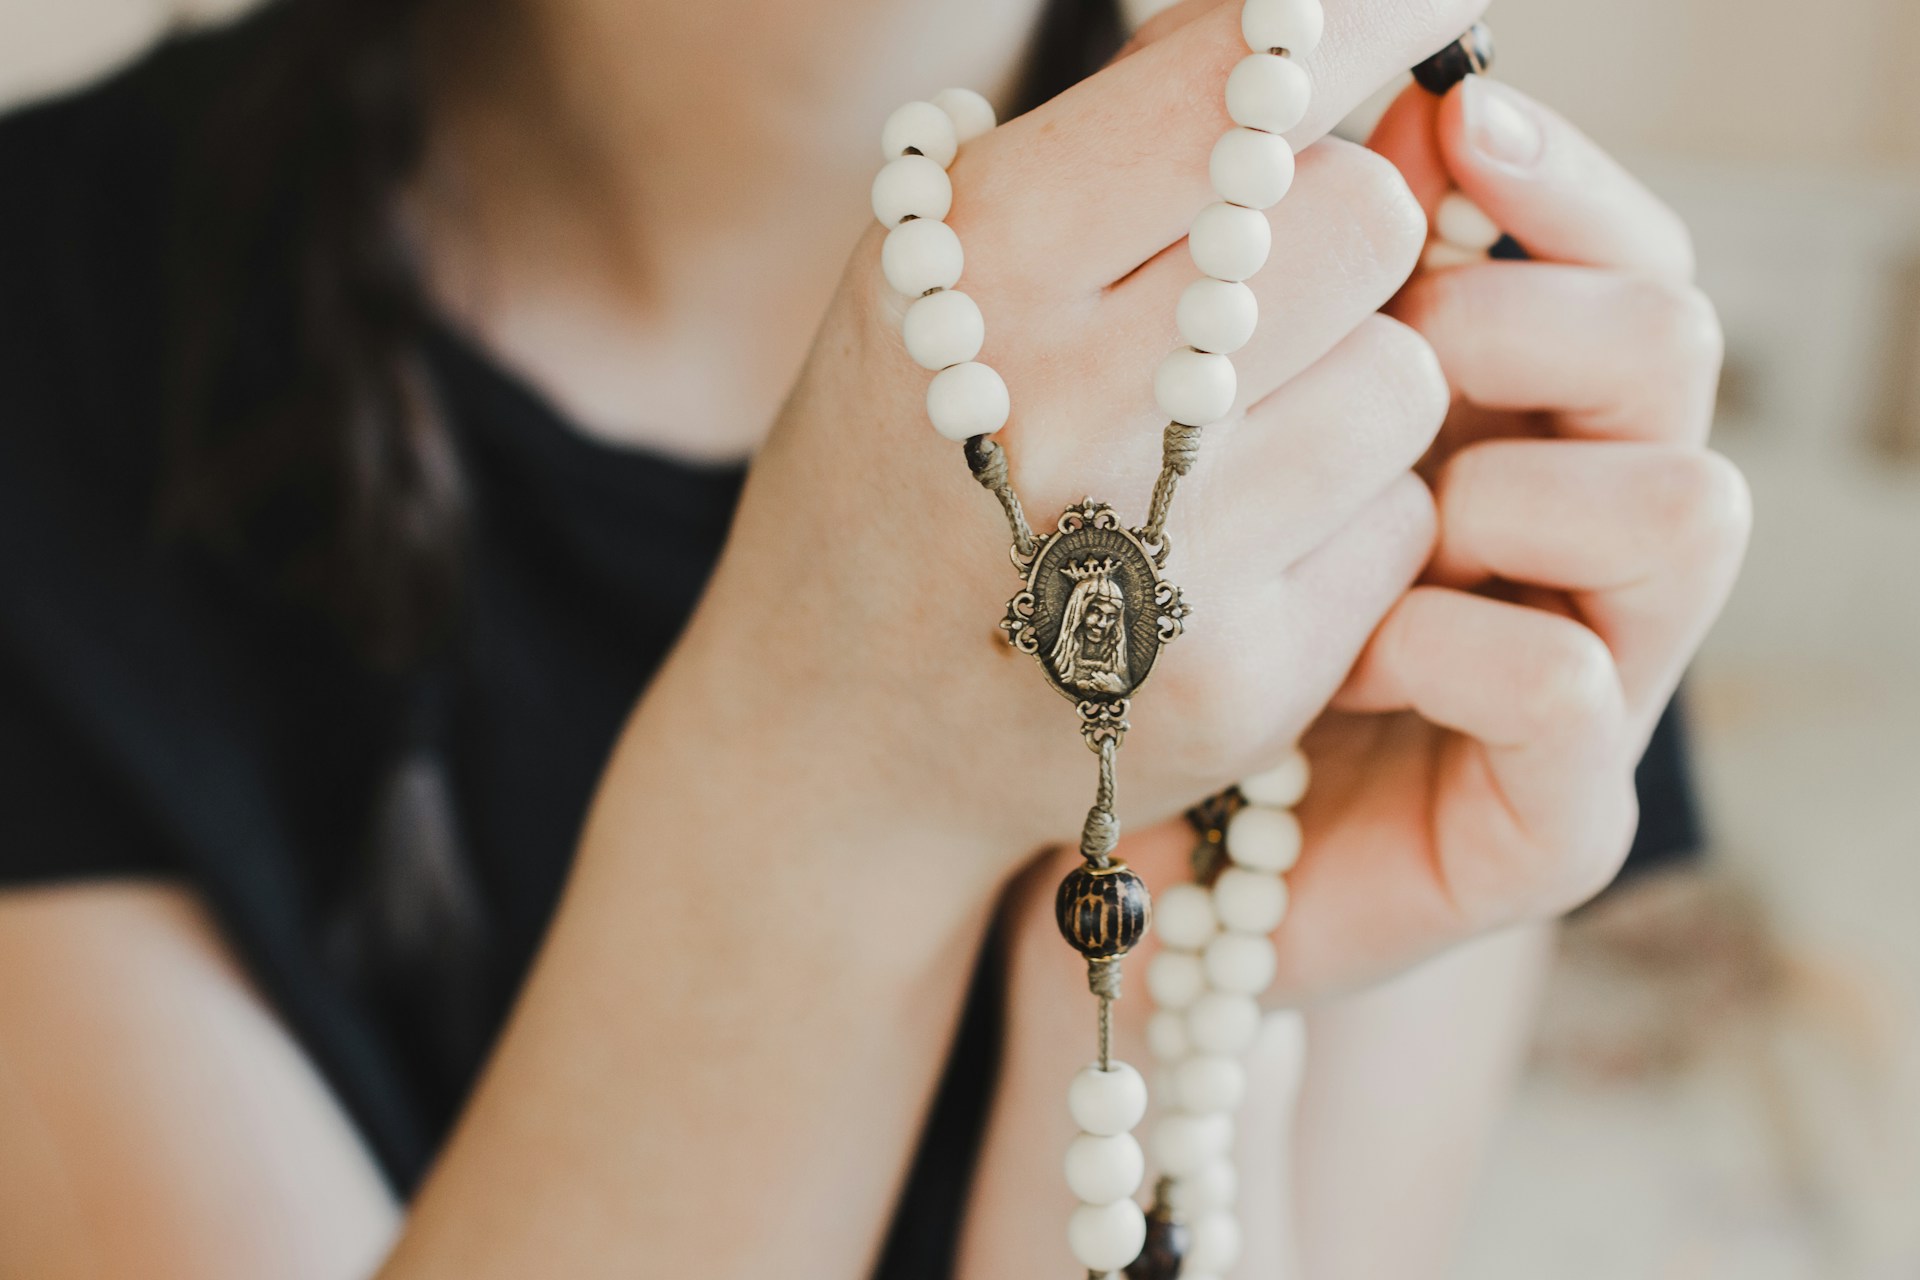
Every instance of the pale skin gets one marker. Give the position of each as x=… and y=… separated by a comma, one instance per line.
x=731, y=1085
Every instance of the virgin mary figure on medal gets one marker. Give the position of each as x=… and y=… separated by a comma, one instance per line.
x=1091, y=651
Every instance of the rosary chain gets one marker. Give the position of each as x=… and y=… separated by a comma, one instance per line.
x=987, y=460
x=1102, y=907
x=1179, y=451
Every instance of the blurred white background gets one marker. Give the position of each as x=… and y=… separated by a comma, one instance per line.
x=1728, y=1083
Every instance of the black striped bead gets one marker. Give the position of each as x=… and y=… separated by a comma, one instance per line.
x=1102, y=911
x=1165, y=1251
x=1471, y=54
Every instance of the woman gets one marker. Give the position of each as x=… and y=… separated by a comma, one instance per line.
x=379, y=379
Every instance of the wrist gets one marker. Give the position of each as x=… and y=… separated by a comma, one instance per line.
x=731, y=760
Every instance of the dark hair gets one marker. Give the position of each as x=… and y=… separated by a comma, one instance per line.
x=304, y=458
x=303, y=453
x=301, y=446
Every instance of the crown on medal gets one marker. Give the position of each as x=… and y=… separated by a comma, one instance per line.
x=1091, y=568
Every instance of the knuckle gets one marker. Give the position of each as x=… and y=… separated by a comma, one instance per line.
x=1709, y=507
x=1567, y=683
x=1222, y=723
x=1456, y=487
x=1227, y=706
x=1686, y=259
x=1683, y=324
x=1407, y=371
x=1584, y=868
x=1240, y=722
x=1595, y=863
x=1696, y=331
x=1392, y=222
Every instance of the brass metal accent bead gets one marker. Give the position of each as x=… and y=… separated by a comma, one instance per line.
x=1209, y=822
x=1102, y=911
x=1470, y=55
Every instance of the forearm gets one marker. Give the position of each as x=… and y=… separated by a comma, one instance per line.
x=1404, y=1085
x=721, y=1061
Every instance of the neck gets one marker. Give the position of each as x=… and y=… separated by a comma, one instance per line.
x=608, y=179
x=645, y=121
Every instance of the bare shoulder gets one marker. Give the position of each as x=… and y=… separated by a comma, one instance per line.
x=155, y=1119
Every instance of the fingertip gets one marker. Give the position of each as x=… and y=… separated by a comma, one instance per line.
x=1486, y=123
x=1493, y=141
x=1551, y=187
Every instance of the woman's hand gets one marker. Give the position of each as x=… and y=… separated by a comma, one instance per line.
x=1480, y=759
x=1476, y=768
x=745, y=997
x=852, y=623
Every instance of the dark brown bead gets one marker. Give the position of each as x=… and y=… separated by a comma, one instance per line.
x=1102, y=911
x=1471, y=54
x=1209, y=822
x=1165, y=1250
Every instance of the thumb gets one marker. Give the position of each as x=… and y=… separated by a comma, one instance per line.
x=1551, y=187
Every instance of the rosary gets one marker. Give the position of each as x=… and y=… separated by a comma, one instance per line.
x=1094, y=609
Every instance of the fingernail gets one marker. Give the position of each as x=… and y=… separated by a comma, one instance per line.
x=1501, y=125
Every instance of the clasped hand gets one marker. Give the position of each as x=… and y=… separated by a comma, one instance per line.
x=1461, y=539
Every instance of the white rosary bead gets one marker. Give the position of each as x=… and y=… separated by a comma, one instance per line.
x=1268, y=92
x=972, y=115
x=1167, y=1035
x=1183, y=916
x=1204, y=978
x=1176, y=979
x=1209, y=1082
x=943, y=329
x=921, y=255
x=1229, y=241
x=1183, y=1143
x=1105, y=1103
x=1195, y=387
x=1222, y=1022
x=1104, y=1168
x=1460, y=222
x=922, y=127
x=1250, y=168
x=1106, y=1237
x=1264, y=839
x=1217, y=315
x=911, y=187
x=1293, y=25
x=1212, y=1186
x=1215, y=1243
x=1280, y=787
x=1250, y=901
x=1242, y=963
x=968, y=400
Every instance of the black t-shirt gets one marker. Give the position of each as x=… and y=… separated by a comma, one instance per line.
x=160, y=718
